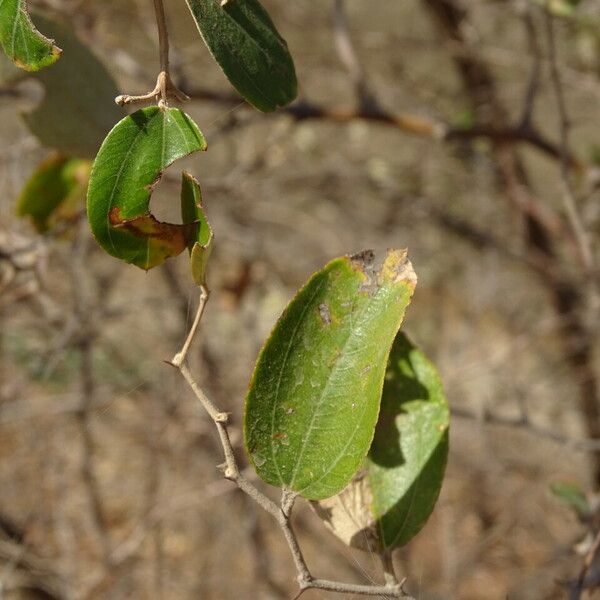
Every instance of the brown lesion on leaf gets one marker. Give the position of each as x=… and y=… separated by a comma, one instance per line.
x=366, y=369
x=172, y=237
x=396, y=268
x=325, y=314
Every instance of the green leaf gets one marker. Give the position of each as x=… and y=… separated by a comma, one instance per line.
x=573, y=496
x=54, y=191
x=390, y=501
x=192, y=212
x=129, y=165
x=408, y=456
x=314, y=396
x=243, y=40
x=21, y=41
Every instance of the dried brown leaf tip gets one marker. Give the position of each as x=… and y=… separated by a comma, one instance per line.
x=395, y=268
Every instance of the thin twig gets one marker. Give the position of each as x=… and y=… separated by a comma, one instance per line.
x=587, y=563
x=570, y=204
x=349, y=57
x=389, y=572
x=283, y=513
x=414, y=124
x=533, y=85
x=164, y=88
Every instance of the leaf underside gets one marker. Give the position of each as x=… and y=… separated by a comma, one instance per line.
x=192, y=212
x=407, y=459
x=314, y=397
x=54, y=191
x=390, y=501
x=129, y=165
x=245, y=43
x=21, y=41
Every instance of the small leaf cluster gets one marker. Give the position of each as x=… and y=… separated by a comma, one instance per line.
x=342, y=408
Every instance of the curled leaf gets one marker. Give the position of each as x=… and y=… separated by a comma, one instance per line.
x=200, y=245
x=129, y=165
x=314, y=397
x=21, y=41
x=243, y=40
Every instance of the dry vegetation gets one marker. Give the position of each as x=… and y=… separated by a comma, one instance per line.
x=108, y=478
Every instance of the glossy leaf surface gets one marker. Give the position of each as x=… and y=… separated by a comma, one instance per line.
x=314, y=397
x=128, y=166
x=243, y=40
x=21, y=41
x=56, y=190
x=391, y=499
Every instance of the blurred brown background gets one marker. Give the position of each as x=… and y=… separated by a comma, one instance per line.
x=108, y=478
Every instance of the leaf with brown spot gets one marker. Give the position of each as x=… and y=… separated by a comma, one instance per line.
x=127, y=169
x=311, y=380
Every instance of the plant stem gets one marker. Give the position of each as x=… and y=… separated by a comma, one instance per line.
x=163, y=35
x=164, y=88
x=282, y=514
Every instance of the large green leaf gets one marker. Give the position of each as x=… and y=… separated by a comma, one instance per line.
x=128, y=167
x=254, y=57
x=21, y=41
x=55, y=190
x=388, y=504
x=315, y=393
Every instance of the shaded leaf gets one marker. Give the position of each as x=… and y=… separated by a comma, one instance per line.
x=314, y=396
x=388, y=504
x=128, y=167
x=55, y=191
x=243, y=40
x=192, y=212
x=21, y=41
x=408, y=456
x=78, y=108
x=573, y=496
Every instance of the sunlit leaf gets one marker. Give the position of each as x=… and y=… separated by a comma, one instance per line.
x=129, y=165
x=21, y=41
x=55, y=191
x=315, y=393
x=254, y=57
x=390, y=501
x=193, y=212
